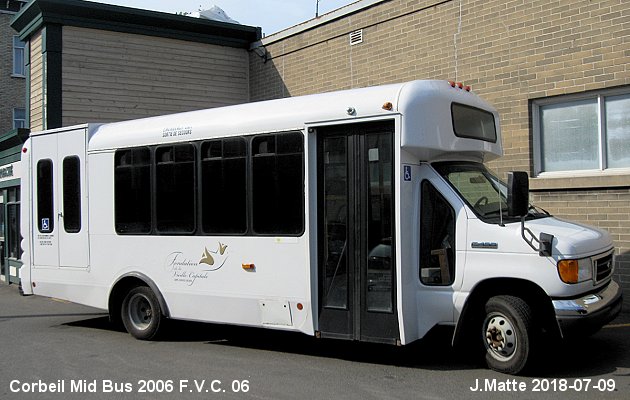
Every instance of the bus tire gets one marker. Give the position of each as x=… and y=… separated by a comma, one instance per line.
x=507, y=333
x=141, y=313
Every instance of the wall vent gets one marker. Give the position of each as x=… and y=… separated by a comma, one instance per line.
x=356, y=37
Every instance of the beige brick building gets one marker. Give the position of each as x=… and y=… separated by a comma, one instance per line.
x=530, y=58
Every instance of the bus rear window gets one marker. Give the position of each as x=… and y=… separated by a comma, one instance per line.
x=473, y=123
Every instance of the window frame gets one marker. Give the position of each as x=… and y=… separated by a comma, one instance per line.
x=19, y=72
x=602, y=151
x=480, y=111
x=278, y=155
x=118, y=226
x=203, y=228
x=14, y=237
x=158, y=202
x=15, y=119
x=451, y=209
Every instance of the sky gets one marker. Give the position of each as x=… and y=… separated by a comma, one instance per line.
x=272, y=15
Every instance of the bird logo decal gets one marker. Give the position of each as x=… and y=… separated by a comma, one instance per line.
x=208, y=256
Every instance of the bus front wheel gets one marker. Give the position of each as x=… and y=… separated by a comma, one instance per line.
x=141, y=313
x=507, y=334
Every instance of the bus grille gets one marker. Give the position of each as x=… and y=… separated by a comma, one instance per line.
x=603, y=267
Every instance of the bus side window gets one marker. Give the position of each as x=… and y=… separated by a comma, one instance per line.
x=132, y=190
x=224, y=186
x=278, y=183
x=175, y=190
x=437, y=238
x=71, y=194
x=45, y=202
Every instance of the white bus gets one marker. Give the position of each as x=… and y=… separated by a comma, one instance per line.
x=364, y=214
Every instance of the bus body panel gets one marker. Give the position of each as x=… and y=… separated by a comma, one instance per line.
x=274, y=280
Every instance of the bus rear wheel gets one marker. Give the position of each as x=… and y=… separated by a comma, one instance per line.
x=507, y=334
x=141, y=313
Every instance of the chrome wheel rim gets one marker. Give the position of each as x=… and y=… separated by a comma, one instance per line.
x=500, y=336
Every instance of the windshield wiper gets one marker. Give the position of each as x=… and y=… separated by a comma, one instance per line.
x=538, y=210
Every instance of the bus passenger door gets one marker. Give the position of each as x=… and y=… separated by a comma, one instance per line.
x=44, y=170
x=357, y=285
x=72, y=199
x=59, y=204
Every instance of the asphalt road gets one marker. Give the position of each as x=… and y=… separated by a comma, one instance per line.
x=54, y=345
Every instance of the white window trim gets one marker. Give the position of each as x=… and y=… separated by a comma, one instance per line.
x=536, y=140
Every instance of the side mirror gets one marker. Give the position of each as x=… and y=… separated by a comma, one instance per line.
x=518, y=194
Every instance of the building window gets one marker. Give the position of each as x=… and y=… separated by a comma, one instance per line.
x=13, y=215
x=589, y=132
x=19, y=118
x=18, y=57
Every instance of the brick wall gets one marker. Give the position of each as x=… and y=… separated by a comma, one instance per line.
x=12, y=89
x=511, y=52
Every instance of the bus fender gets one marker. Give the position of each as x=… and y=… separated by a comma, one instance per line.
x=126, y=282
x=530, y=292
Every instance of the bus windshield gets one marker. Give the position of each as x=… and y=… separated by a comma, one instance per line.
x=483, y=192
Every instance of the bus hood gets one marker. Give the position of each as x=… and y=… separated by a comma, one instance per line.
x=572, y=239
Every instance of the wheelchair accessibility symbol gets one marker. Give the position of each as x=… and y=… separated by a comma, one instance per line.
x=407, y=173
x=45, y=224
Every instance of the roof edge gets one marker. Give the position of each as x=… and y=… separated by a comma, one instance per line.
x=131, y=20
x=334, y=15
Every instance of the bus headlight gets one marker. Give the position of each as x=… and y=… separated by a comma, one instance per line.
x=575, y=271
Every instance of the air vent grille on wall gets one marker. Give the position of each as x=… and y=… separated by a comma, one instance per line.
x=356, y=37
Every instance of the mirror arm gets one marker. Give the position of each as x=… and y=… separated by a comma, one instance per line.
x=543, y=243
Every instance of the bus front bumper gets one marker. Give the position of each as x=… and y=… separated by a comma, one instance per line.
x=589, y=313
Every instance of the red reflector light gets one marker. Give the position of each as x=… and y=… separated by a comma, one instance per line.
x=300, y=306
x=452, y=83
x=467, y=88
x=24, y=150
x=460, y=85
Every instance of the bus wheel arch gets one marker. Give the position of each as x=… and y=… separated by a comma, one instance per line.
x=518, y=299
x=121, y=289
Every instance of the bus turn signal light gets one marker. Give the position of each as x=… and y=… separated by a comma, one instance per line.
x=249, y=267
x=569, y=271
